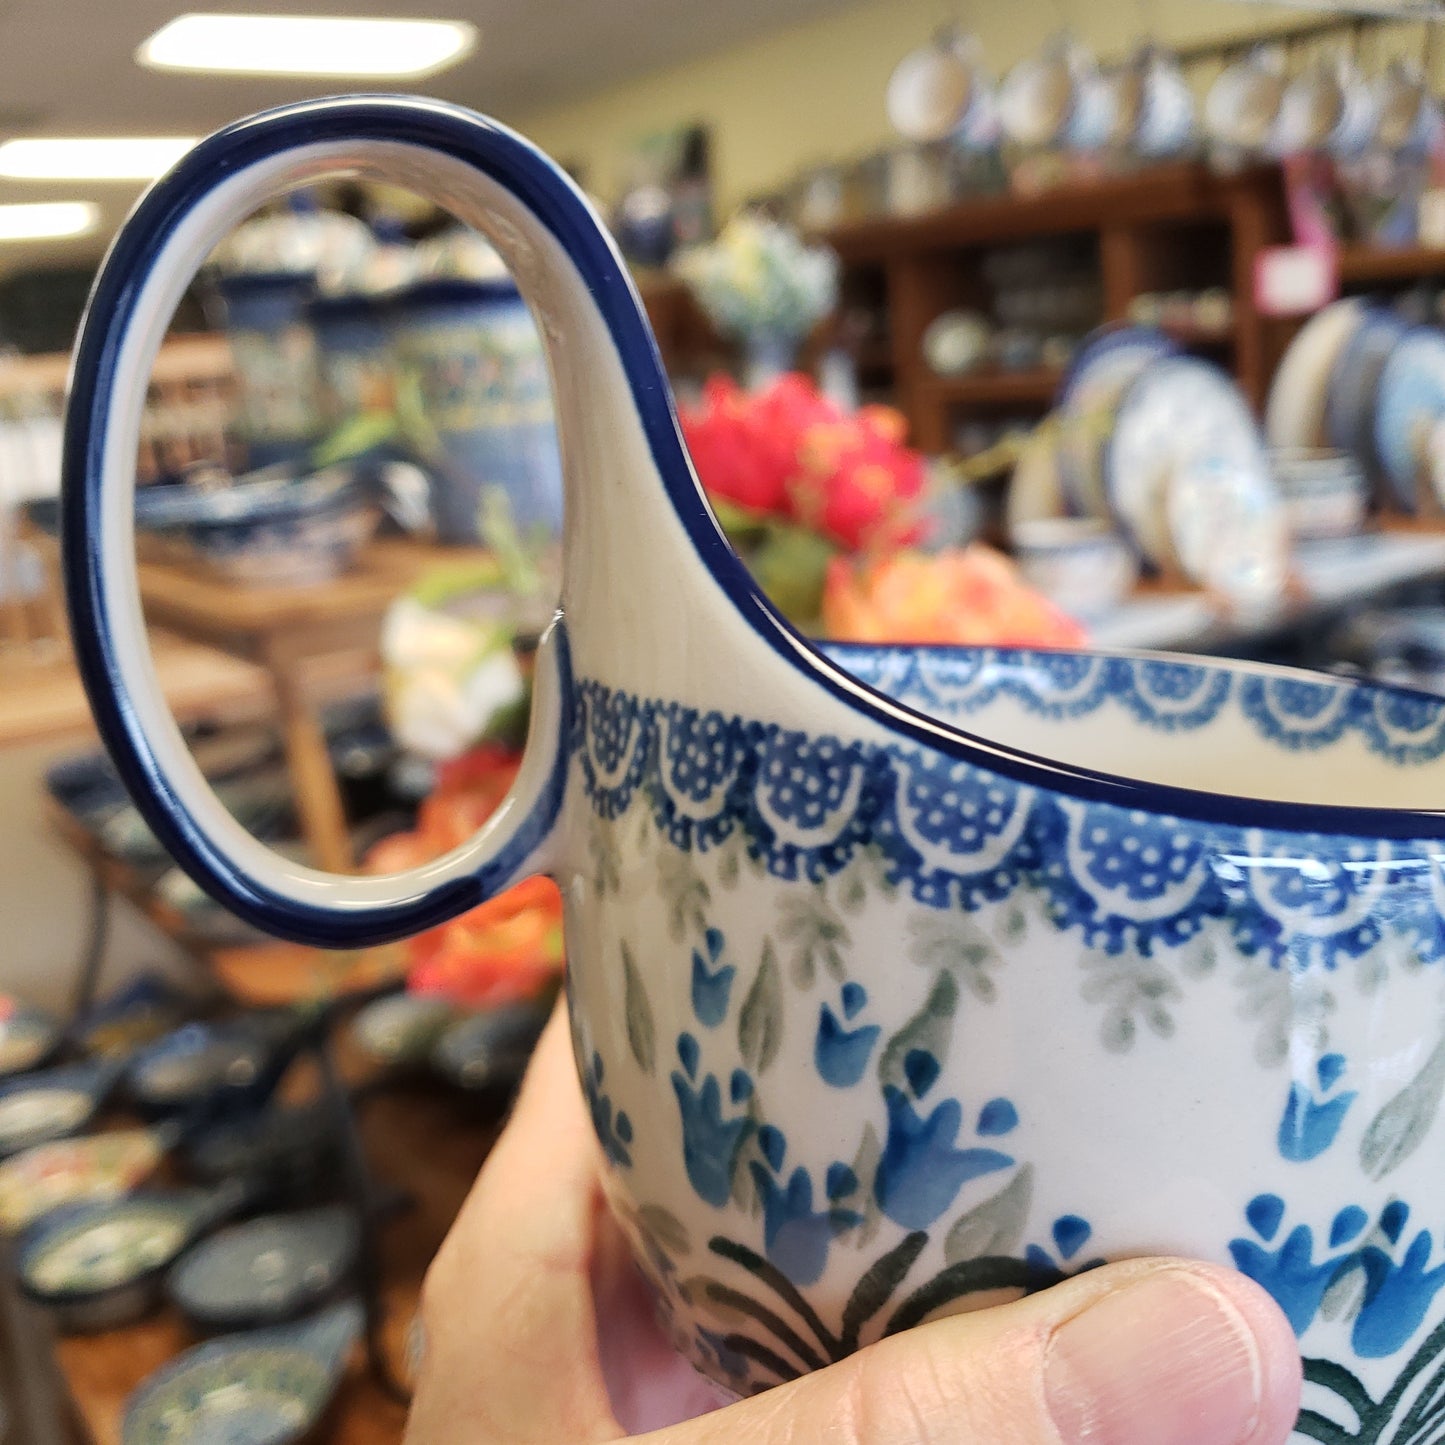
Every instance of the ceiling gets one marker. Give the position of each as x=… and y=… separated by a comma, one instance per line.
x=66, y=68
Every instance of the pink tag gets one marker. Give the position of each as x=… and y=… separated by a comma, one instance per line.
x=1295, y=280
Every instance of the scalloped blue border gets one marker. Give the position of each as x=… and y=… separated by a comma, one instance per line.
x=557, y=205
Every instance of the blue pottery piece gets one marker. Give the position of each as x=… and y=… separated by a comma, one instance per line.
x=276, y=370
x=469, y=357
x=900, y=979
x=98, y=1265
x=263, y=1387
x=52, y=1103
x=354, y=356
x=265, y=1271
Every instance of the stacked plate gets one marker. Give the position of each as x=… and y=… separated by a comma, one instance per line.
x=1165, y=448
x=1363, y=381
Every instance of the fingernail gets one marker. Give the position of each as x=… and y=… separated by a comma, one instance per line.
x=1166, y=1361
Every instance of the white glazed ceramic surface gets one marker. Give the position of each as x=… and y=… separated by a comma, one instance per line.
x=940, y=92
x=882, y=1008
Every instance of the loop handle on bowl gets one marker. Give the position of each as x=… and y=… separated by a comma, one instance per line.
x=611, y=398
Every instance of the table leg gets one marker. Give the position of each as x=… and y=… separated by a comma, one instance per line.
x=318, y=798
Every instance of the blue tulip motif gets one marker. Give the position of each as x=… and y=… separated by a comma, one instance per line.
x=710, y=1142
x=712, y=981
x=921, y=1170
x=795, y=1235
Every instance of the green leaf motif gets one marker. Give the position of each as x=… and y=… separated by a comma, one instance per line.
x=996, y=1225
x=666, y=1228
x=946, y=941
x=818, y=936
x=686, y=894
x=1402, y=1124
x=865, y=1167
x=930, y=1029
x=760, y=1023
x=641, y=1034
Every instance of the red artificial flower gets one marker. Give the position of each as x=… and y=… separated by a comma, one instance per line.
x=790, y=454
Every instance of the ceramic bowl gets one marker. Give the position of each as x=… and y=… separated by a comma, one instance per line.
x=490, y=1050
x=263, y=1387
x=275, y=529
x=265, y=1271
x=289, y=1149
x=28, y=1038
x=99, y=1265
x=227, y=1061
x=70, y=1171
x=1241, y=111
x=51, y=1104
x=402, y=1030
x=1325, y=492
x=1083, y=565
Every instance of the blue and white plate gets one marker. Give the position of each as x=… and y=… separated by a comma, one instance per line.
x=1354, y=385
x=1179, y=415
x=1230, y=530
x=1108, y=361
x=1295, y=417
x=1409, y=406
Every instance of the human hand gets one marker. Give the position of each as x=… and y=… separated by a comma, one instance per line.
x=538, y=1331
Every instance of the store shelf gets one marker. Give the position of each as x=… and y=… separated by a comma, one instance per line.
x=1369, y=265
x=996, y=388
x=1328, y=578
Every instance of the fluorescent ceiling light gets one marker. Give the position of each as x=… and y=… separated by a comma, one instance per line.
x=48, y=220
x=92, y=158
x=307, y=45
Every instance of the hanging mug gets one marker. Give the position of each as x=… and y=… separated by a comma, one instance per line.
x=902, y=980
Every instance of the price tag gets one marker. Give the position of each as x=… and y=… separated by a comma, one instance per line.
x=1295, y=280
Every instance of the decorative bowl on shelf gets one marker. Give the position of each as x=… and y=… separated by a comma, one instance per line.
x=264, y=1387
x=272, y=528
x=51, y=1104
x=1082, y=565
x=266, y=1270
x=1325, y=492
x=99, y=1264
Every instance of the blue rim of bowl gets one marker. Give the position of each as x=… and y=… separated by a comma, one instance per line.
x=1402, y=491
x=558, y=207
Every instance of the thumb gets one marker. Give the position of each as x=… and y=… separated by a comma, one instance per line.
x=1148, y=1352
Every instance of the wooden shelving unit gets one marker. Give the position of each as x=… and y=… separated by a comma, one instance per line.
x=1364, y=266
x=1167, y=228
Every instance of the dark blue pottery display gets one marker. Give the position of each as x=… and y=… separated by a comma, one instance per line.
x=469, y=359
x=266, y=1270
x=275, y=355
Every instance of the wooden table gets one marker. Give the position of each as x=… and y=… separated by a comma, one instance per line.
x=423, y=1138
x=305, y=638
